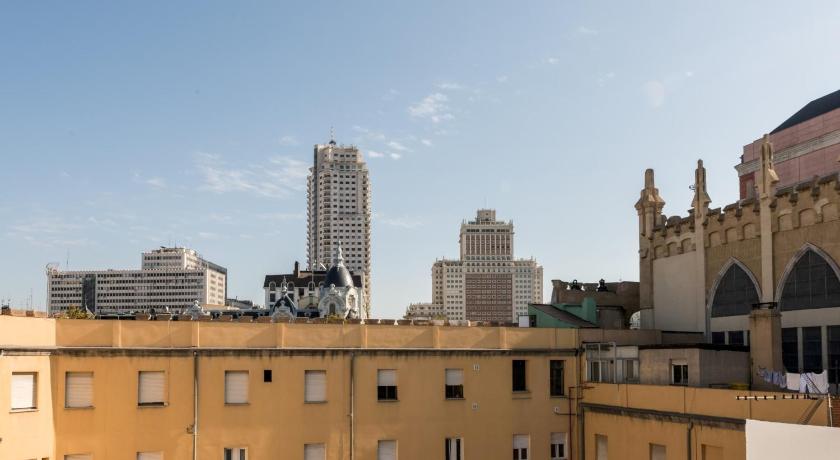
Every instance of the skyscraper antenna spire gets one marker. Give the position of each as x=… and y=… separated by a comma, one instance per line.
x=332, y=134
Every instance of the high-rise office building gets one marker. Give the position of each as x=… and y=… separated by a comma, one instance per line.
x=339, y=211
x=486, y=283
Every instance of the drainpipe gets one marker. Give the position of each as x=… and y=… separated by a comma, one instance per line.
x=352, y=404
x=195, y=406
x=688, y=439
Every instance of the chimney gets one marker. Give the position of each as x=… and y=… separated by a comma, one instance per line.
x=297, y=269
x=765, y=342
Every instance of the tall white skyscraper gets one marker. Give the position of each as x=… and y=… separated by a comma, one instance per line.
x=339, y=210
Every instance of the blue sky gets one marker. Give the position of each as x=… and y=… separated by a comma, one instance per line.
x=125, y=127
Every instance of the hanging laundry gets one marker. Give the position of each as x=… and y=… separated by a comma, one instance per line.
x=816, y=383
x=792, y=381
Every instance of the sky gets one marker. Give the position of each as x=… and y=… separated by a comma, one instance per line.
x=127, y=126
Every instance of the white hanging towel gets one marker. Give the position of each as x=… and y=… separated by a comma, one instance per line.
x=816, y=383
x=792, y=382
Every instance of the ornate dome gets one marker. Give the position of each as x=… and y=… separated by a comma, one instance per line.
x=338, y=274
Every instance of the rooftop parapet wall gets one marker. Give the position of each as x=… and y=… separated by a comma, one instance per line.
x=49, y=333
x=704, y=401
x=803, y=204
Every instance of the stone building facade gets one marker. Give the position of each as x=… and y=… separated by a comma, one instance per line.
x=486, y=283
x=779, y=249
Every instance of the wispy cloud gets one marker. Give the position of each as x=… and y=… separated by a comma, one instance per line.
x=395, y=156
x=656, y=91
x=584, y=30
x=280, y=178
x=398, y=146
x=449, y=86
x=208, y=235
x=48, y=231
x=551, y=60
x=433, y=107
x=604, y=78
x=375, y=154
x=288, y=141
x=502, y=78
x=426, y=142
x=401, y=222
x=280, y=216
x=156, y=182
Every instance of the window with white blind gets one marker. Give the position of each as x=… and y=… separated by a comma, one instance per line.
x=657, y=452
x=149, y=455
x=314, y=452
x=315, y=386
x=236, y=453
x=24, y=386
x=454, y=384
x=386, y=450
x=520, y=446
x=151, y=388
x=454, y=449
x=386, y=385
x=558, y=446
x=236, y=387
x=78, y=457
x=78, y=390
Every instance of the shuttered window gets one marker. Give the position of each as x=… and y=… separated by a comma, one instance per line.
x=386, y=384
x=236, y=387
x=314, y=452
x=387, y=450
x=558, y=446
x=315, y=386
x=657, y=452
x=24, y=385
x=78, y=389
x=454, y=384
x=149, y=455
x=151, y=388
x=520, y=446
x=236, y=453
x=601, y=445
x=78, y=457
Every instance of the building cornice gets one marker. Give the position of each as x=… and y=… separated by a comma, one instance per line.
x=795, y=151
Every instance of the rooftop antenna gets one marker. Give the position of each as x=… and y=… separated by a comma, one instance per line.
x=67, y=262
x=332, y=135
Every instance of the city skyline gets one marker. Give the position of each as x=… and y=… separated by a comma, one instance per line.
x=126, y=129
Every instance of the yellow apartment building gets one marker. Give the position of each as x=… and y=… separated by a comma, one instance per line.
x=218, y=390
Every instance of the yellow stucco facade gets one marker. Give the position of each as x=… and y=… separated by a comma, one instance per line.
x=275, y=421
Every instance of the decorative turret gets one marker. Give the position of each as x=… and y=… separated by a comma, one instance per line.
x=649, y=206
x=701, y=200
x=767, y=176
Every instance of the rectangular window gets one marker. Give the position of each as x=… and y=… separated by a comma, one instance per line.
x=679, y=372
x=454, y=449
x=558, y=446
x=556, y=377
x=386, y=384
x=833, y=354
x=812, y=349
x=601, y=446
x=736, y=337
x=520, y=446
x=657, y=452
x=236, y=387
x=631, y=370
x=454, y=384
x=78, y=457
x=315, y=386
x=790, y=349
x=78, y=389
x=718, y=337
x=236, y=453
x=24, y=387
x=151, y=387
x=267, y=376
x=386, y=450
x=149, y=455
x=314, y=452
x=519, y=368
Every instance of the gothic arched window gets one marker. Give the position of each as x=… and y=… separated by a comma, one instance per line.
x=735, y=293
x=811, y=283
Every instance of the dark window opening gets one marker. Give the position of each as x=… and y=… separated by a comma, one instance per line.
x=790, y=349
x=811, y=284
x=812, y=349
x=556, y=377
x=386, y=393
x=735, y=294
x=267, y=375
x=519, y=375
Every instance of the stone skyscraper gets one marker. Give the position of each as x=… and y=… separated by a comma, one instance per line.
x=486, y=283
x=339, y=210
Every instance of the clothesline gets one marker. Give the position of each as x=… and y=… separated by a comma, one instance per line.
x=808, y=382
